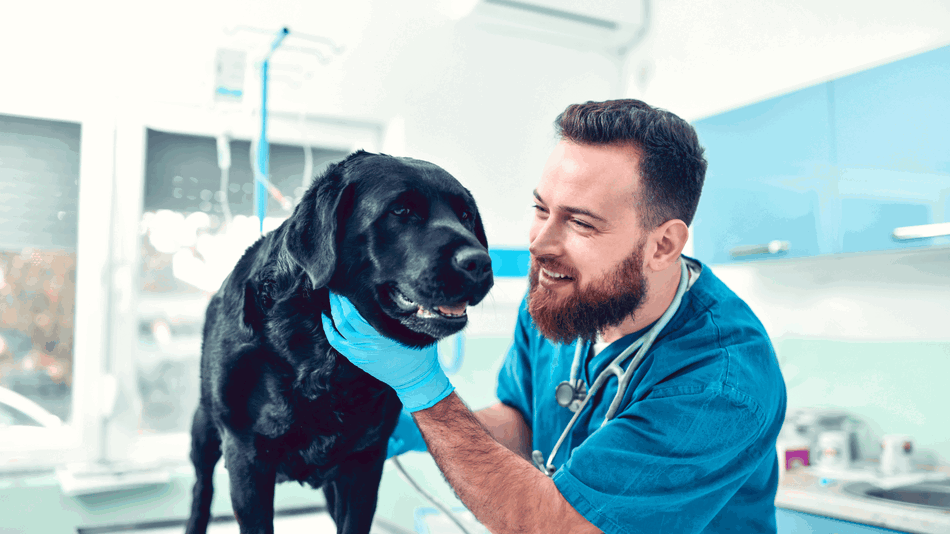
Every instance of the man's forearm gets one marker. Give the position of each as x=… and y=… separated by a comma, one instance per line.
x=508, y=427
x=505, y=492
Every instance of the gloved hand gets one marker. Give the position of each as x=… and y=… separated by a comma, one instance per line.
x=415, y=374
x=406, y=437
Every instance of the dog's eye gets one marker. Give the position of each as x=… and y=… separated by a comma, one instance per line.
x=401, y=212
x=466, y=215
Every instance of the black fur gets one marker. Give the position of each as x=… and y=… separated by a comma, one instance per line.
x=276, y=401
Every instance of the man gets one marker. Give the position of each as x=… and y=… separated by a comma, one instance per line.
x=691, y=447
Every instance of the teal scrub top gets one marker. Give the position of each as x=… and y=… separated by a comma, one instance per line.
x=692, y=447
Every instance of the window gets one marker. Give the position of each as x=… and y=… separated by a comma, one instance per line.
x=109, y=252
x=39, y=198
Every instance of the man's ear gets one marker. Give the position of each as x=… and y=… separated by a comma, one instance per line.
x=668, y=241
x=311, y=238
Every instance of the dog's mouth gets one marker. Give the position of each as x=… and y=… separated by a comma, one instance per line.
x=445, y=311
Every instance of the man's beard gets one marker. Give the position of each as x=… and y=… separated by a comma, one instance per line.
x=585, y=312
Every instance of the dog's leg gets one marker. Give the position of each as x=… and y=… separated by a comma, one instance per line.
x=252, y=487
x=205, y=453
x=351, y=496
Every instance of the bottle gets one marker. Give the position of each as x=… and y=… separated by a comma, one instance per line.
x=794, y=449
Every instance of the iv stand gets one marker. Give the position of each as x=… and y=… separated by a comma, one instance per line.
x=263, y=148
x=262, y=183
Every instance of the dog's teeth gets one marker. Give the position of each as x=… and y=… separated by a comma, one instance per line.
x=403, y=300
x=424, y=313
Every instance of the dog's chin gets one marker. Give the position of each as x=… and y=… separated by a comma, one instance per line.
x=436, y=327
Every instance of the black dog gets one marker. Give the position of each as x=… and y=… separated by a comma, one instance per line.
x=403, y=240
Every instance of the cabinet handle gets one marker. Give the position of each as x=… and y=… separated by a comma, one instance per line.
x=906, y=233
x=772, y=247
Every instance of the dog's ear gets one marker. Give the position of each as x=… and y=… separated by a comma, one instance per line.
x=312, y=236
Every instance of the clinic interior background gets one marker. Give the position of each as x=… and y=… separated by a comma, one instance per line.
x=115, y=80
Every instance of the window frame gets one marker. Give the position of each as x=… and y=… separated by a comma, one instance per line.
x=102, y=428
x=77, y=438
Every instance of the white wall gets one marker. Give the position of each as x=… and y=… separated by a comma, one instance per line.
x=703, y=57
x=894, y=296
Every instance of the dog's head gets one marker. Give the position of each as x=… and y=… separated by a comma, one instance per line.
x=401, y=238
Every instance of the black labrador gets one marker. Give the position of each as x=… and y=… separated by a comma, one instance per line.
x=403, y=240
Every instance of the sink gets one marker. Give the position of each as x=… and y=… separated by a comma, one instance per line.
x=928, y=494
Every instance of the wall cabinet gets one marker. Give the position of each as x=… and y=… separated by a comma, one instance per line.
x=835, y=167
x=892, y=150
x=768, y=171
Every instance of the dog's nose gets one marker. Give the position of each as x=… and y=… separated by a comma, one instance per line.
x=473, y=262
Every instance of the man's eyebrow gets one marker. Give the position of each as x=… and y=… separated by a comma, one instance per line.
x=571, y=209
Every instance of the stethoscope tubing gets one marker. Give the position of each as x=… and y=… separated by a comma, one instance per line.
x=643, y=343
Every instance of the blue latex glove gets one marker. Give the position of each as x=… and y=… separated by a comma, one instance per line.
x=415, y=374
x=406, y=437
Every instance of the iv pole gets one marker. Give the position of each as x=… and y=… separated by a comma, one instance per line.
x=262, y=172
x=262, y=183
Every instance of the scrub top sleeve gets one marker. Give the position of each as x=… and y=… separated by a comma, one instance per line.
x=668, y=463
x=514, y=378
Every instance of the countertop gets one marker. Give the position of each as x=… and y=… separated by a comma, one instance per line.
x=806, y=490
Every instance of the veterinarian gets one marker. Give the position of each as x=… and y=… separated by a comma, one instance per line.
x=688, y=445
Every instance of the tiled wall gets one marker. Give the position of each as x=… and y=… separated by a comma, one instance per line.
x=896, y=387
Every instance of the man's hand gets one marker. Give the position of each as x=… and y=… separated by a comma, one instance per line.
x=415, y=374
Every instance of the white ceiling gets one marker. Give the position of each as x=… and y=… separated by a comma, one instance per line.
x=699, y=57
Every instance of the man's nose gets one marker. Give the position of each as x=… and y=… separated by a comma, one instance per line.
x=544, y=237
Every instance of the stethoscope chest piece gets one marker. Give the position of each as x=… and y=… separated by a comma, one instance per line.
x=571, y=396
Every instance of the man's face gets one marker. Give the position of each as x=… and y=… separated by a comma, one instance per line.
x=586, y=242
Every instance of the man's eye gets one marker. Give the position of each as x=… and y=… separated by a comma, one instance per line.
x=539, y=208
x=583, y=224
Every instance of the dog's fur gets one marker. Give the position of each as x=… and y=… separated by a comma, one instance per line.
x=276, y=400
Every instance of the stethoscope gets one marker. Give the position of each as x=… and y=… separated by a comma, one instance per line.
x=573, y=394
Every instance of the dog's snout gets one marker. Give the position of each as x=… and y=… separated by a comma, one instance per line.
x=473, y=262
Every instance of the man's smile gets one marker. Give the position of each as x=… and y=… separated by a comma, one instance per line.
x=553, y=274
x=550, y=279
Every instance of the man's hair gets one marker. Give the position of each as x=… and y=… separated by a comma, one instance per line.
x=672, y=166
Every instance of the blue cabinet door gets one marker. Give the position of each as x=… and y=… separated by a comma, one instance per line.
x=769, y=171
x=892, y=151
